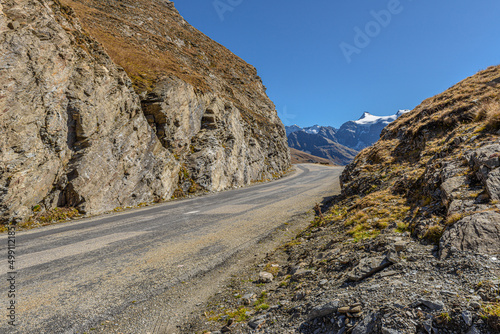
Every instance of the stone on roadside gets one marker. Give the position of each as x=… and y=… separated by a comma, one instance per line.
x=249, y=298
x=467, y=316
x=393, y=257
x=400, y=246
x=477, y=233
x=301, y=273
x=368, y=267
x=473, y=330
x=435, y=305
x=475, y=305
x=265, y=277
x=367, y=325
x=257, y=322
x=325, y=309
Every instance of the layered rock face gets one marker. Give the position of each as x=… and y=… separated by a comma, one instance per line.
x=207, y=106
x=75, y=133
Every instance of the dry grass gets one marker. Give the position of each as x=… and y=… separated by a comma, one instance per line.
x=434, y=233
x=489, y=113
x=151, y=41
x=366, y=217
x=43, y=218
x=490, y=312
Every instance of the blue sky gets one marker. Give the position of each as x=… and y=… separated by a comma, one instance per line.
x=326, y=62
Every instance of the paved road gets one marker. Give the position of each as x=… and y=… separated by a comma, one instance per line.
x=75, y=275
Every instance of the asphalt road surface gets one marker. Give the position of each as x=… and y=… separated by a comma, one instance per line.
x=74, y=276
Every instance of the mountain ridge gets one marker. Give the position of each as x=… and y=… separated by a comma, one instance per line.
x=340, y=145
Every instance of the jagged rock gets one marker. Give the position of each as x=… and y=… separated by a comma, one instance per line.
x=477, y=233
x=265, y=277
x=209, y=107
x=488, y=156
x=450, y=187
x=368, y=325
x=368, y=267
x=434, y=305
x=467, y=316
x=428, y=326
x=473, y=330
x=400, y=246
x=249, y=298
x=257, y=323
x=301, y=273
x=392, y=257
x=486, y=162
x=325, y=309
x=493, y=184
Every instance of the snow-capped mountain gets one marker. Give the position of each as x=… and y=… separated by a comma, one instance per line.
x=365, y=131
x=369, y=119
x=340, y=143
x=292, y=128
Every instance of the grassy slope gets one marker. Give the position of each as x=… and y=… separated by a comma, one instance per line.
x=299, y=157
x=391, y=183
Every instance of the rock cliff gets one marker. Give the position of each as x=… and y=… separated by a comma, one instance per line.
x=83, y=126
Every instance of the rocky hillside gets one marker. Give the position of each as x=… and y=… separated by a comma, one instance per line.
x=299, y=157
x=441, y=162
x=411, y=245
x=110, y=104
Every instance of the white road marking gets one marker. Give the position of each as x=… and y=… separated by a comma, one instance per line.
x=49, y=255
x=231, y=209
x=191, y=212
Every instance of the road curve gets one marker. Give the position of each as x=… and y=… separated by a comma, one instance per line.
x=76, y=275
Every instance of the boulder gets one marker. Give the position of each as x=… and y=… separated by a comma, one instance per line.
x=368, y=267
x=368, y=325
x=265, y=277
x=487, y=165
x=325, y=309
x=478, y=233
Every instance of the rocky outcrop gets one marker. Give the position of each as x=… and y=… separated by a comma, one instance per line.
x=479, y=232
x=215, y=145
x=75, y=132
x=486, y=163
x=206, y=105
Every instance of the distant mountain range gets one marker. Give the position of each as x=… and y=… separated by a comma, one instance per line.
x=339, y=145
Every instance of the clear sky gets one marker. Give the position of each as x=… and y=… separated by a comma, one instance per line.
x=326, y=61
